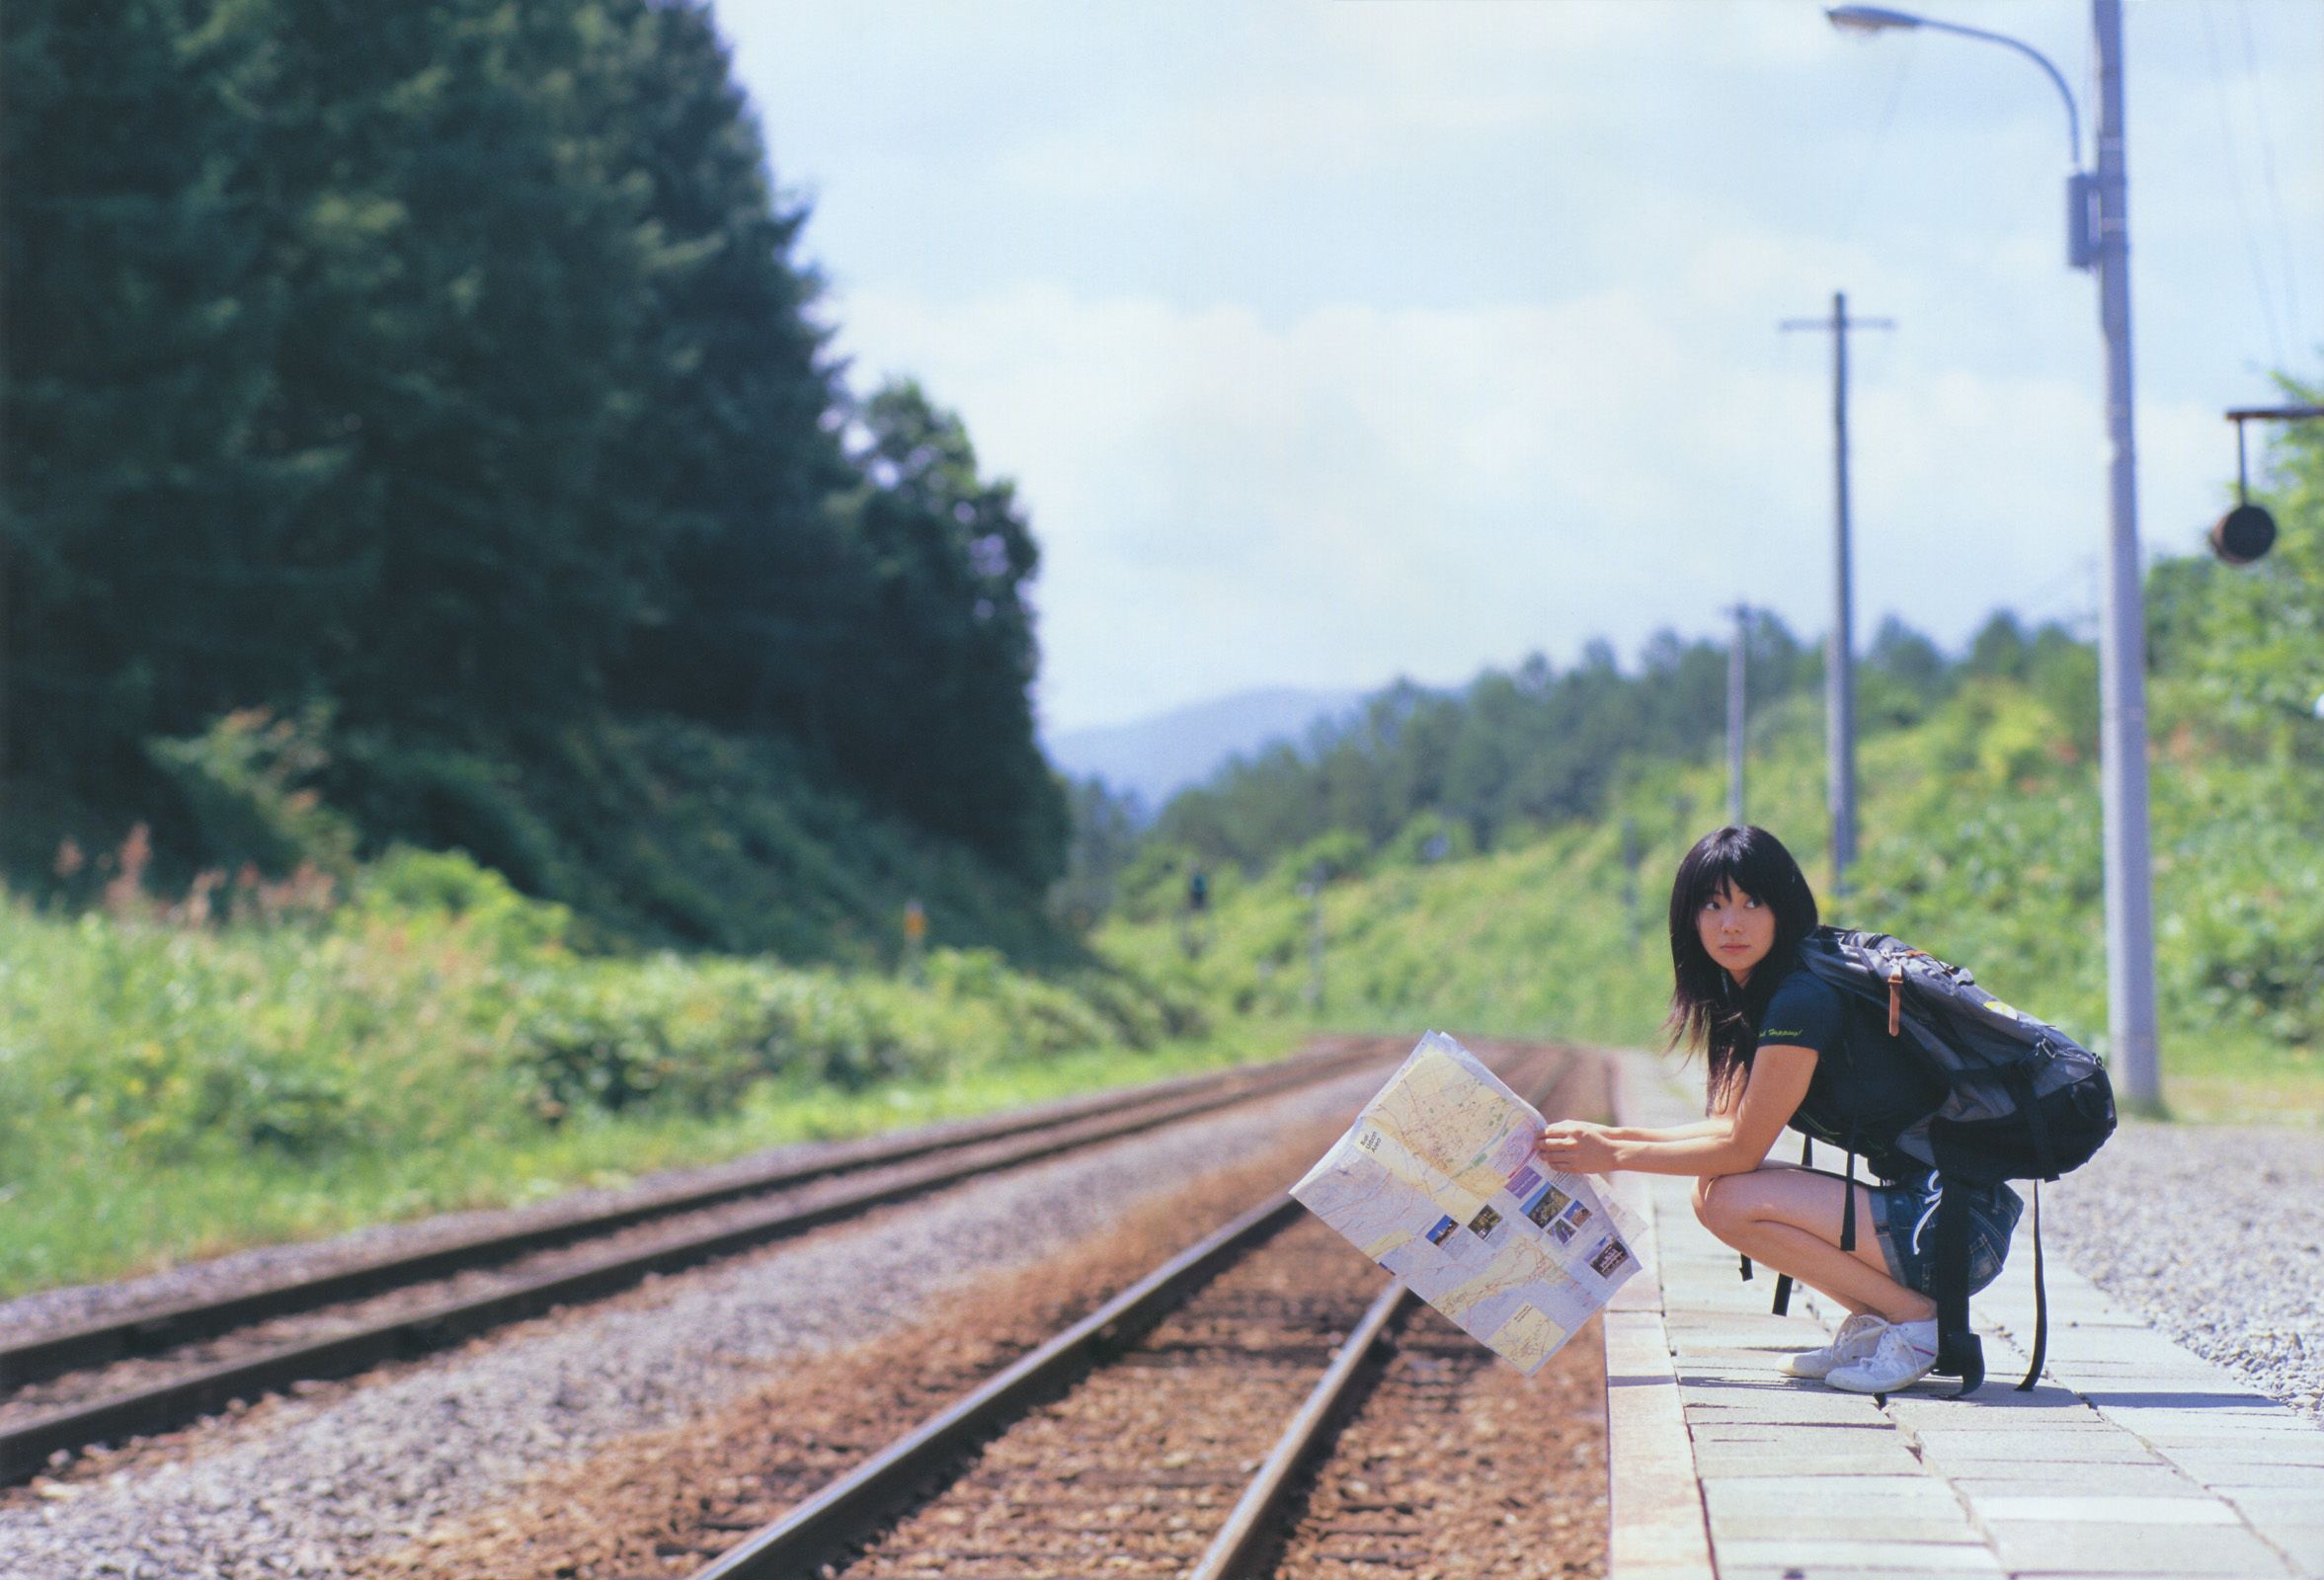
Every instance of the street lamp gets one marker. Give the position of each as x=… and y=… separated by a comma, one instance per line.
x=2080, y=233
x=2097, y=236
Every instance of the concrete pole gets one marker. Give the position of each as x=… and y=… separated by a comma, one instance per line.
x=1840, y=665
x=2130, y=886
x=1315, y=887
x=1629, y=878
x=1735, y=716
x=1839, y=711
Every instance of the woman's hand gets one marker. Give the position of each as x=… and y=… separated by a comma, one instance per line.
x=1576, y=1147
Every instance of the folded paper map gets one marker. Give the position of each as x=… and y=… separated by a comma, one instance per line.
x=1437, y=1182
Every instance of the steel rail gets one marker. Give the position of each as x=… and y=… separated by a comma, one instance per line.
x=151, y=1331
x=825, y=1526
x=26, y=1447
x=1234, y=1553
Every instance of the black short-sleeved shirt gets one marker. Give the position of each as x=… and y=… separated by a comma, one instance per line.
x=1867, y=1087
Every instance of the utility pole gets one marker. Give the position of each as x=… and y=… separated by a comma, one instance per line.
x=2122, y=668
x=1840, y=662
x=2098, y=237
x=1314, y=889
x=1735, y=715
x=1630, y=878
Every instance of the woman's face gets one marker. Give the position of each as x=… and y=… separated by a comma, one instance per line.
x=1737, y=930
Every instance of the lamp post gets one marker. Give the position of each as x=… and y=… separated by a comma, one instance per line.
x=2097, y=236
x=1735, y=705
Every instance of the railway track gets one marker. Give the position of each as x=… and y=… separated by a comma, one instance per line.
x=1151, y=1438
x=146, y=1372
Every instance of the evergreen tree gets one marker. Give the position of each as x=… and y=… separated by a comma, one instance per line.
x=1528, y=747
x=444, y=372
x=149, y=559
x=467, y=252
x=940, y=720
x=736, y=438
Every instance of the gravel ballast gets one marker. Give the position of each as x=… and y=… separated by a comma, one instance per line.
x=303, y=1486
x=2215, y=1234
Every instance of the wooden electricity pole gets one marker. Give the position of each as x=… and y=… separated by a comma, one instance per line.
x=1840, y=662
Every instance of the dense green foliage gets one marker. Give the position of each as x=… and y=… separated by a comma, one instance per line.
x=654, y=831
x=429, y=1039
x=1980, y=839
x=1511, y=754
x=445, y=376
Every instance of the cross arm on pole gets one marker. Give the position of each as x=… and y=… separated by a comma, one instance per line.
x=2278, y=414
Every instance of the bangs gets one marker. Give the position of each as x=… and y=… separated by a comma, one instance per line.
x=1749, y=868
x=1757, y=864
x=1721, y=868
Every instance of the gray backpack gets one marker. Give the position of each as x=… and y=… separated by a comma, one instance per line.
x=2023, y=1100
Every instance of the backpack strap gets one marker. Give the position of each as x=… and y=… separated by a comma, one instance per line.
x=1848, y=1211
x=2020, y=1086
x=1960, y=1352
x=2040, y=1301
x=1782, y=1280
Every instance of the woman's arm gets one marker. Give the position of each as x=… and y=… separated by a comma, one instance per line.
x=1716, y=1125
x=1731, y=1143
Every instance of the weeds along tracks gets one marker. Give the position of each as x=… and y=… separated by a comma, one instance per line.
x=151, y=1371
x=1127, y=1444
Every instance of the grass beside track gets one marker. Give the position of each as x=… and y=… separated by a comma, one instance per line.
x=85, y=1222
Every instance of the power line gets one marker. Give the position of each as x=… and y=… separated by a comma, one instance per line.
x=2234, y=163
x=2259, y=105
x=1871, y=155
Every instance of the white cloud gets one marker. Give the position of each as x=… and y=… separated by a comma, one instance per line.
x=1337, y=341
x=1359, y=493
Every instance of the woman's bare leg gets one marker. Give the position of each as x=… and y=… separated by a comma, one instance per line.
x=1790, y=1218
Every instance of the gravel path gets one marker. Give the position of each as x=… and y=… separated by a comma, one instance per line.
x=305, y=1485
x=2216, y=1235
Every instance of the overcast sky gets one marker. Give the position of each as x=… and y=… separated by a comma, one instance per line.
x=1336, y=342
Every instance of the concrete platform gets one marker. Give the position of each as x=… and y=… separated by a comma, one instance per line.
x=2132, y=1457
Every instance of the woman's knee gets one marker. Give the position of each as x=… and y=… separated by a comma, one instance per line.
x=1727, y=1204
x=1712, y=1210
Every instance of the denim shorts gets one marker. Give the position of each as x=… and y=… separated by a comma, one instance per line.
x=1904, y=1216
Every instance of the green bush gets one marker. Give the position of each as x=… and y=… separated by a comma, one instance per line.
x=1429, y=838
x=1338, y=854
x=245, y=780
x=174, y=1089
x=409, y=885
x=438, y=795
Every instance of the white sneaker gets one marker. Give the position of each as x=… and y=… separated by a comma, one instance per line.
x=1904, y=1353
x=1854, y=1342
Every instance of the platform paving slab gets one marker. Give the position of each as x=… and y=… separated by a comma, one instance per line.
x=2050, y=1545
x=2131, y=1457
x=2019, y=1479
x=1865, y=1557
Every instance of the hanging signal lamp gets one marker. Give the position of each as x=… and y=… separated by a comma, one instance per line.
x=2248, y=532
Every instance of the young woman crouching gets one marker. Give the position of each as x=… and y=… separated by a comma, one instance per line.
x=1779, y=1053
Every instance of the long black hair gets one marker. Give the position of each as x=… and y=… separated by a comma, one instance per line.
x=1708, y=1009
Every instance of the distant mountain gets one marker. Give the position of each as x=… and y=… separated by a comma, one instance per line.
x=1162, y=756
